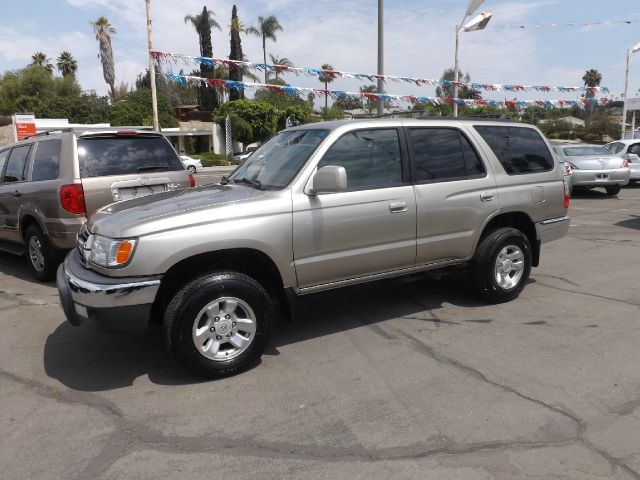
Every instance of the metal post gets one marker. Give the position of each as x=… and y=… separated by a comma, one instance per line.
x=152, y=70
x=380, y=53
x=455, y=74
x=633, y=125
x=626, y=88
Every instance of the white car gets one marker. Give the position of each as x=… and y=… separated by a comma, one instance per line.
x=192, y=165
x=630, y=151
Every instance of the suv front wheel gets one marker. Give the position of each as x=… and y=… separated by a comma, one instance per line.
x=501, y=265
x=219, y=324
x=43, y=258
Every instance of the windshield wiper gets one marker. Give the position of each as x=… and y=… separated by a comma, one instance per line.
x=257, y=184
x=224, y=180
x=152, y=167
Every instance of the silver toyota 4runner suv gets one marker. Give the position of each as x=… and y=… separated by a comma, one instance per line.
x=51, y=183
x=318, y=207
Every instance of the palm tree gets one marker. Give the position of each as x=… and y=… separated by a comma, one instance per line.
x=266, y=28
x=279, y=62
x=40, y=58
x=591, y=78
x=235, y=73
x=203, y=23
x=103, y=30
x=67, y=64
x=326, y=79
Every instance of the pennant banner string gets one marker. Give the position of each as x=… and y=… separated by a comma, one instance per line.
x=189, y=80
x=172, y=58
x=568, y=24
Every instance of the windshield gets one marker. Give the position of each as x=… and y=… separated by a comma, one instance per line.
x=579, y=151
x=274, y=164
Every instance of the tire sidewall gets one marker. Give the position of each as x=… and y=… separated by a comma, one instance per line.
x=183, y=311
x=48, y=255
x=483, y=269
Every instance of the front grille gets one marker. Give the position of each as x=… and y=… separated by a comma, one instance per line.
x=83, y=244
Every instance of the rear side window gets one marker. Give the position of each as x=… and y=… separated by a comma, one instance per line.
x=46, y=160
x=635, y=148
x=519, y=150
x=15, y=171
x=614, y=147
x=443, y=154
x=103, y=156
x=3, y=159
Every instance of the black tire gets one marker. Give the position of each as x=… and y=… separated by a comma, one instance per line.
x=44, y=269
x=613, y=189
x=482, y=270
x=191, y=169
x=182, y=312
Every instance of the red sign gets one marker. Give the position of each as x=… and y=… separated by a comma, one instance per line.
x=25, y=126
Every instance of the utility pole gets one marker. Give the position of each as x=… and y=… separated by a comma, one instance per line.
x=152, y=70
x=380, y=53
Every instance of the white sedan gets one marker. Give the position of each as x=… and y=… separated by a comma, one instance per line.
x=192, y=165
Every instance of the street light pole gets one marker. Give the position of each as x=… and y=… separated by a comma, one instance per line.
x=152, y=70
x=380, y=53
x=477, y=23
x=626, y=88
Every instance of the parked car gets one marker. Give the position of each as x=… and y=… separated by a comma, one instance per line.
x=239, y=157
x=51, y=183
x=630, y=151
x=318, y=207
x=192, y=165
x=594, y=166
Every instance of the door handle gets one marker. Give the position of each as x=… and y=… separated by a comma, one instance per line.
x=17, y=194
x=486, y=196
x=398, y=207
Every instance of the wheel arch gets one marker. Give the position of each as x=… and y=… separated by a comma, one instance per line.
x=520, y=221
x=254, y=263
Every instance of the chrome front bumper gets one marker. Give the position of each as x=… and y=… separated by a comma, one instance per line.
x=552, y=229
x=118, y=304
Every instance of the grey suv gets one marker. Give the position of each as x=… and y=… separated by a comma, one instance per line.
x=317, y=207
x=51, y=183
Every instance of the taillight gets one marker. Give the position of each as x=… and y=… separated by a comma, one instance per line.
x=567, y=170
x=192, y=181
x=567, y=197
x=625, y=163
x=573, y=167
x=72, y=198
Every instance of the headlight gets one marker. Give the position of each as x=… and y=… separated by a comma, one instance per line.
x=109, y=253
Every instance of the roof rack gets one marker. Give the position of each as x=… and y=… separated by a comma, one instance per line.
x=426, y=115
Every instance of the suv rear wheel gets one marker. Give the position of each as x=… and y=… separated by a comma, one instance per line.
x=501, y=265
x=219, y=324
x=43, y=258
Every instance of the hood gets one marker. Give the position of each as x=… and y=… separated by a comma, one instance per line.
x=170, y=209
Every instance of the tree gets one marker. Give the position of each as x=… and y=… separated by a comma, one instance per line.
x=591, y=79
x=326, y=79
x=448, y=91
x=40, y=58
x=66, y=64
x=103, y=30
x=203, y=23
x=235, y=42
x=86, y=108
x=259, y=120
x=267, y=29
x=279, y=62
x=135, y=109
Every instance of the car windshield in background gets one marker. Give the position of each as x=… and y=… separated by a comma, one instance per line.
x=103, y=156
x=274, y=164
x=580, y=151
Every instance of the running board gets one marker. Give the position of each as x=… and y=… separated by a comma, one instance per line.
x=10, y=247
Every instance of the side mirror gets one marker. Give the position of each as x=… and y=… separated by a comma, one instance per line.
x=329, y=179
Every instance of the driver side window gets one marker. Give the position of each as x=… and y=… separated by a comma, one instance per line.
x=371, y=158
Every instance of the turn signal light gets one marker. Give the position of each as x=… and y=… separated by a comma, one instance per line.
x=567, y=197
x=72, y=198
x=124, y=252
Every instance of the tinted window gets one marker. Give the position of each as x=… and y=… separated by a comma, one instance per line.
x=371, y=158
x=15, y=171
x=46, y=160
x=614, y=147
x=3, y=159
x=104, y=156
x=519, y=150
x=635, y=148
x=443, y=154
x=580, y=151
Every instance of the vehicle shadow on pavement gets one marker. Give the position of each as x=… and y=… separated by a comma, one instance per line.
x=633, y=223
x=87, y=360
x=16, y=266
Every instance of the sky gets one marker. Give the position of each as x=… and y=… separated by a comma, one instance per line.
x=419, y=39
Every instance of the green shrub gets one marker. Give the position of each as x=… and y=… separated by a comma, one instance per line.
x=210, y=159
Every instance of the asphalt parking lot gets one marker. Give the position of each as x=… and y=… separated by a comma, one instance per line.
x=408, y=378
